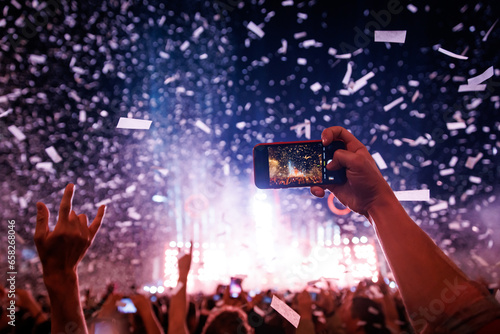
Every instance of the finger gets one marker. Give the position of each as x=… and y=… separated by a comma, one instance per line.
x=318, y=191
x=339, y=133
x=84, y=221
x=343, y=158
x=66, y=202
x=42, y=222
x=96, y=223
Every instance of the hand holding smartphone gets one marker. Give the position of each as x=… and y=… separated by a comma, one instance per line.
x=125, y=305
x=235, y=287
x=296, y=164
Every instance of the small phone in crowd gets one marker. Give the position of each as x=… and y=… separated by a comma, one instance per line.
x=235, y=287
x=125, y=305
x=295, y=164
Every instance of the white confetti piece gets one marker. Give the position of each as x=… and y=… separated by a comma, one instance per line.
x=45, y=166
x=16, y=132
x=412, y=8
x=299, y=35
x=458, y=27
x=446, y=172
x=471, y=88
x=5, y=113
x=475, y=179
x=37, y=59
x=316, y=87
x=456, y=125
x=438, y=207
x=453, y=161
x=286, y=311
x=393, y=103
x=379, y=160
x=485, y=38
x=451, y=54
x=302, y=61
x=287, y=3
x=373, y=310
x=332, y=51
x=184, y=46
x=241, y=125
x=482, y=77
x=347, y=76
x=103, y=202
x=284, y=46
x=202, y=126
x=390, y=36
x=344, y=56
x=413, y=83
x=303, y=128
x=255, y=29
x=472, y=161
x=177, y=288
x=198, y=32
x=133, y=123
x=52, y=153
x=422, y=195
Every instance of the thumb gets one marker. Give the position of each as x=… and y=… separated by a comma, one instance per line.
x=343, y=158
x=42, y=222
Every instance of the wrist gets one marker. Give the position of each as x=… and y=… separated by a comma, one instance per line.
x=384, y=203
x=61, y=281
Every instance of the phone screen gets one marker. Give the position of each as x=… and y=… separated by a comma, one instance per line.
x=235, y=287
x=295, y=164
x=125, y=305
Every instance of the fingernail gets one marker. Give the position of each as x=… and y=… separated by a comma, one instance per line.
x=38, y=206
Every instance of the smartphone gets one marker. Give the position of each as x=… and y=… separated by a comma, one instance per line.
x=235, y=287
x=125, y=305
x=314, y=296
x=295, y=164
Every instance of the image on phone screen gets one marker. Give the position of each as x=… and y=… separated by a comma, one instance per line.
x=295, y=164
x=235, y=287
x=125, y=305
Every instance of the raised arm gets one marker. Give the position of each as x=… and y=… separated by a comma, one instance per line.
x=178, y=304
x=60, y=252
x=435, y=291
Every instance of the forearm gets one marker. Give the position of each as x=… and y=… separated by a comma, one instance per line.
x=178, y=309
x=151, y=322
x=67, y=313
x=426, y=276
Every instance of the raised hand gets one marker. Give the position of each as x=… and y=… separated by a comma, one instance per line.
x=62, y=249
x=365, y=184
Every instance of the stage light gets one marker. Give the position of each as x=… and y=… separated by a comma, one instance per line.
x=346, y=241
x=180, y=244
x=392, y=285
x=196, y=245
x=260, y=196
x=355, y=240
x=172, y=244
x=146, y=288
x=160, y=289
x=363, y=240
x=152, y=289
